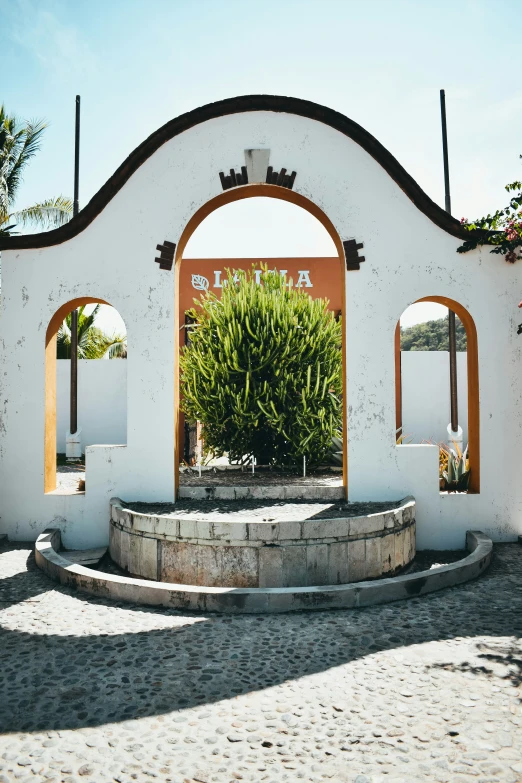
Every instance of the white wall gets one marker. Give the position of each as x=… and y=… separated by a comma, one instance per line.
x=102, y=401
x=102, y=398
x=426, y=395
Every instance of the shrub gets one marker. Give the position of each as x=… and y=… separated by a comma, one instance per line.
x=432, y=336
x=263, y=372
x=503, y=229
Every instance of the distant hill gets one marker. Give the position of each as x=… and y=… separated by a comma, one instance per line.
x=432, y=336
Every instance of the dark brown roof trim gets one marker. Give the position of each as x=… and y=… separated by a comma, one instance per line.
x=241, y=104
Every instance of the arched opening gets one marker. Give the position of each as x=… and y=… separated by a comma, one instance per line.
x=472, y=383
x=227, y=197
x=102, y=410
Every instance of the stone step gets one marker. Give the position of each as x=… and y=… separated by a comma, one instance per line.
x=270, y=492
x=84, y=556
x=262, y=600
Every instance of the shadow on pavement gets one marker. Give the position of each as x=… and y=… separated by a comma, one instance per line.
x=52, y=681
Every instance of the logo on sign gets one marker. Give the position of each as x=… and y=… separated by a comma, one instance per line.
x=199, y=282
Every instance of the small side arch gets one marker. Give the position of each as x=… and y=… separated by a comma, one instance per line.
x=473, y=384
x=50, y=386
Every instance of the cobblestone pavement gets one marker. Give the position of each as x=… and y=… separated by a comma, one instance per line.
x=422, y=690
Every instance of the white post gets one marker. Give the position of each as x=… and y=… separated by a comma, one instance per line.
x=73, y=445
x=304, y=467
x=253, y=464
x=455, y=438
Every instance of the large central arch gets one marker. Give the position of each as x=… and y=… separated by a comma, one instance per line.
x=227, y=197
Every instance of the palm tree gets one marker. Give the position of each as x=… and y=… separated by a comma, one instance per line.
x=19, y=142
x=93, y=343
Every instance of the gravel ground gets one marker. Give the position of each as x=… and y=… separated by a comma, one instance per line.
x=266, y=510
x=68, y=476
x=423, y=690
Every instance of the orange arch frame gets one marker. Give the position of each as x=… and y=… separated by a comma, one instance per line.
x=50, y=386
x=227, y=197
x=473, y=384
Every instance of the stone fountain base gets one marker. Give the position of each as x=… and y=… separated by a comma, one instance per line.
x=250, y=543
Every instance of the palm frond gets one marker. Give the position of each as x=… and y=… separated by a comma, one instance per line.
x=19, y=143
x=6, y=228
x=98, y=345
x=51, y=213
x=93, y=343
x=6, y=147
x=26, y=145
x=118, y=349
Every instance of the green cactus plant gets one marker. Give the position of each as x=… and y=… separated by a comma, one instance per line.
x=263, y=371
x=336, y=450
x=455, y=470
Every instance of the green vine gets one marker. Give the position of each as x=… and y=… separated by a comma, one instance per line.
x=503, y=229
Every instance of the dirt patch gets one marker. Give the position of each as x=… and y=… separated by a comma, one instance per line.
x=433, y=558
x=261, y=477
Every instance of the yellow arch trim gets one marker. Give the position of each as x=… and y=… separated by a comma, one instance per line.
x=228, y=197
x=473, y=384
x=50, y=387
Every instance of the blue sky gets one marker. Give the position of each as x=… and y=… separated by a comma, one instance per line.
x=138, y=63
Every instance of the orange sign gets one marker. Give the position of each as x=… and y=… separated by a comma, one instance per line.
x=319, y=277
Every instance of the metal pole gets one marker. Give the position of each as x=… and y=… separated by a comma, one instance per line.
x=76, y=208
x=452, y=337
x=447, y=198
x=453, y=371
x=74, y=373
x=74, y=315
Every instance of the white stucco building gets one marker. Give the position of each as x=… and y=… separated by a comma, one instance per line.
x=320, y=160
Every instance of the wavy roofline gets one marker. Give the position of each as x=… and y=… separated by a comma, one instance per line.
x=239, y=105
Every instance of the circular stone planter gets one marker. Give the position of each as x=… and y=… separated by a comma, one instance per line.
x=241, y=549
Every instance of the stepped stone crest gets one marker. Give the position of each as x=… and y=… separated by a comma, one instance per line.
x=256, y=169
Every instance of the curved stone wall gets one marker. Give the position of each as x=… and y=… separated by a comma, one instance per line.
x=256, y=600
x=247, y=554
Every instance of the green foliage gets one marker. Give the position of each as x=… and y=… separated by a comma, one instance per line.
x=336, y=451
x=262, y=372
x=93, y=343
x=432, y=336
x=19, y=143
x=503, y=229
